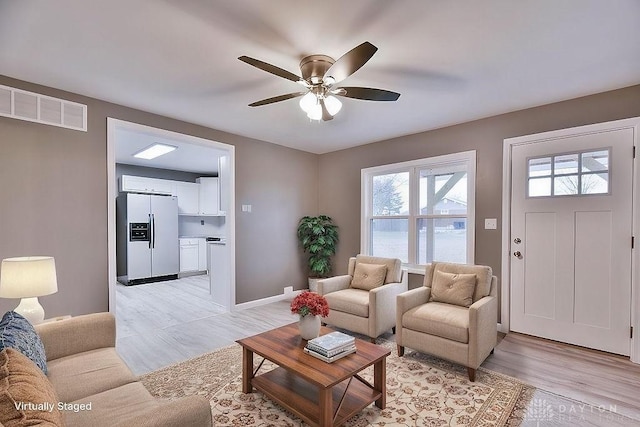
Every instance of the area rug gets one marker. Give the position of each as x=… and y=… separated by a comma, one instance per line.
x=421, y=391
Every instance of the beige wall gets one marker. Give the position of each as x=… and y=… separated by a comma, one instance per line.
x=53, y=201
x=339, y=181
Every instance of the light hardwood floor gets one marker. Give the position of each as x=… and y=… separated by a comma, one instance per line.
x=163, y=323
x=167, y=322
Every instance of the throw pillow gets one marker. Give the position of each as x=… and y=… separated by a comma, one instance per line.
x=368, y=276
x=453, y=288
x=16, y=332
x=27, y=397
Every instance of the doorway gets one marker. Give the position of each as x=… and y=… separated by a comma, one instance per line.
x=568, y=265
x=117, y=130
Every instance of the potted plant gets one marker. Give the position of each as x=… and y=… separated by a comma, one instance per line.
x=318, y=236
x=310, y=307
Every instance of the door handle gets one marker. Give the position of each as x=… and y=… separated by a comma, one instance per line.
x=517, y=254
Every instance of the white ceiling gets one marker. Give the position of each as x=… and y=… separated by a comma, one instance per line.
x=452, y=61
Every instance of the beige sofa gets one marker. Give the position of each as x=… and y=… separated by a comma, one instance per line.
x=83, y=367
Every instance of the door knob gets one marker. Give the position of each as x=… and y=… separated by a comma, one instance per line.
x=517, y=254
x=517, y=240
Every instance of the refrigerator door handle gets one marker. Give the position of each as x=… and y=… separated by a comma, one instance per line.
x=153, y=230
x=149, y=231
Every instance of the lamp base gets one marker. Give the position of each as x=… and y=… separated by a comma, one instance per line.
x=30, y=309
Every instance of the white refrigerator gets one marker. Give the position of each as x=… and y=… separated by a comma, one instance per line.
x=152, y=247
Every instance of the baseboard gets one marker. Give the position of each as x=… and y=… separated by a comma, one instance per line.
x=268, y=300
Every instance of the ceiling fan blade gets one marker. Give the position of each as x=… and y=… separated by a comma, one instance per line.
x=276, y=99
x=325, y=113
x=350, y=62
x=367, y=93
x=270, y=68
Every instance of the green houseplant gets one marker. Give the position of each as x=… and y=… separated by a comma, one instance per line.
x=318, y=236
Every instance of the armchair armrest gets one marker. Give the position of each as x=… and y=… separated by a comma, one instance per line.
x=405, y=302
x=483, y=332
x=333, y=284
x=77, y=334
x=382, y=307
x=413, y=298
x=186, y=411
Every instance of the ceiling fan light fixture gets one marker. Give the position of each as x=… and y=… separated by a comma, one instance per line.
x=315, y=112
x=308, y=101
x=333, y=104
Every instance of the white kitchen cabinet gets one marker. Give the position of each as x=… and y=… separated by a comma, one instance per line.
x=209, y=196
x=139, y=184
x=189, y=255
x=188, y=194
x=219, y=280
x=202, y=254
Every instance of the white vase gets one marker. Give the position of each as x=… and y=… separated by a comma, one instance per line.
x=313, y=284
x=309, y=326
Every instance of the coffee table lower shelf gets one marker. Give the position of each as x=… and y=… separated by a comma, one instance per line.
x=301, y=397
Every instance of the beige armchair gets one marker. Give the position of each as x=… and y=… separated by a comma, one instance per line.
x=364, y=300
x=453, y=316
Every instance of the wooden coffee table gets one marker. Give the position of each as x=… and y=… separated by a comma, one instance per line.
x=322, y=394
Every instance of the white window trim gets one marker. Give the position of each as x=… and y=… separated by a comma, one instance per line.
x=366, y=182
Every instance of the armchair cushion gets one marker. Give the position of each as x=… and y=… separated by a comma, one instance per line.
x=368, y=276
x=352, y=301
x=453, y=288
x=394, y=266
x=483, y=276
x=439, y=319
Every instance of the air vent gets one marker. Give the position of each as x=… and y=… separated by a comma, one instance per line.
x=23, y=105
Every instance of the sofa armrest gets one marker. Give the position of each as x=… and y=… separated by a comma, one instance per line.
x=382, y=307
x=77, y=334
x=187, y=411
x=333, y=284
x=405, y=302
x=483, y=329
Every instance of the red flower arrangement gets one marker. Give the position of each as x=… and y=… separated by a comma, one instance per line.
x=310, y=303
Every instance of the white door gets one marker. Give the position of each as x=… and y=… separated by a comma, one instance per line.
x=571, y=230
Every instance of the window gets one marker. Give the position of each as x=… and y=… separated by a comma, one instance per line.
x=420, y=211
x=569, y=174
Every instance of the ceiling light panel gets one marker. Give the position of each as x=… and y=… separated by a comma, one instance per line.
x=153, y=151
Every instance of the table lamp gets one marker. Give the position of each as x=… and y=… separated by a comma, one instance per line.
x=28, y=278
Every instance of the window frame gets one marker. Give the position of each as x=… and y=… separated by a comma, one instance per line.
x=454, y=160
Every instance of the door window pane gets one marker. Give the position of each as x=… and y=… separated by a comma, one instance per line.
x=540, y=167
x=565, y=164
x=442, y=239
x=571, y=174
x=565, y=185
x=596, y=183
x=539, y=187
x=390, y=238
x=391, y=194
x=595, y=161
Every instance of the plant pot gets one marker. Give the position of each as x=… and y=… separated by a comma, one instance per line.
x=309, y=326
x=313, y=284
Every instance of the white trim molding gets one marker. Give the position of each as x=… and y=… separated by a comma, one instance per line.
x=632, y=123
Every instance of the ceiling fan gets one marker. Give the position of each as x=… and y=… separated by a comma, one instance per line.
x=320, y=75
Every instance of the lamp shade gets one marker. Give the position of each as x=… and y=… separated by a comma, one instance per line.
x=27, y=277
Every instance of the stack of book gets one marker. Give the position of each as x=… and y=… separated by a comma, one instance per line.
x=331, y=346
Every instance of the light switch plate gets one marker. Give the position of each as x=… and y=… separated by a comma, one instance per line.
x=490, y=223
x=246, y=208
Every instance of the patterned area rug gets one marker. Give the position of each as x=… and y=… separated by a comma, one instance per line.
x=421, y=391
